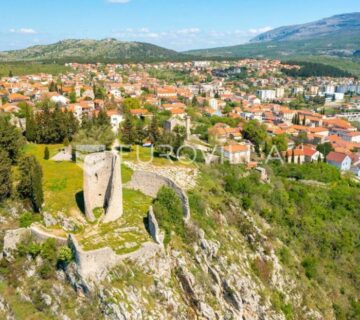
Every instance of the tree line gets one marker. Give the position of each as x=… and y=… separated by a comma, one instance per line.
x=29, y=185
x=311, y=69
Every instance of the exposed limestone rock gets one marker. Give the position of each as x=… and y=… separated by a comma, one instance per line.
x=12, y=238
x=5, y=310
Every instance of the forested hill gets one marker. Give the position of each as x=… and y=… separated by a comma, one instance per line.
x=310, y=69
x=106, y=50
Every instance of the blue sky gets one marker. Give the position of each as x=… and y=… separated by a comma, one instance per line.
x=175, y=24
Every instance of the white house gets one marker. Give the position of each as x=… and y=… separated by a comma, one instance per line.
x=115, y=119
x=339, y=160
x=266, y=95
x=236, y=153
x=352, y=136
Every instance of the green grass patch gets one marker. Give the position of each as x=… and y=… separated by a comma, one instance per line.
x=61, y=180
x=21, y=309
x=140, y=154
x=22, y=68
x=127, y=233
x=126, y=173
x=98, y=212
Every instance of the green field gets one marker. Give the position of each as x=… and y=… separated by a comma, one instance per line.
x=62, y=181
x=141, y=154
x=20, y=68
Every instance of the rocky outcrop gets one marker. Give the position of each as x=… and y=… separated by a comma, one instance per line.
x=11, y=240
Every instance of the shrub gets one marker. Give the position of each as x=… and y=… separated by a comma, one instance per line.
x=169, y=213
x=262, y=269
x=27, y=218
x=246, y=203
x=49, y=251
x=65, y=255
x=309, y=264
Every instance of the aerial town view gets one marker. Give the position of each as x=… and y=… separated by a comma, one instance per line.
x=180, y=160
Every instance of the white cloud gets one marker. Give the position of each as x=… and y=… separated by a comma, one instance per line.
x=190, y=37
x=119, y=1
x=188, y=31
x=260, y=30
x=23, y=31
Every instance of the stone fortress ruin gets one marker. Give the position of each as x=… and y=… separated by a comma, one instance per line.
x=103, y=185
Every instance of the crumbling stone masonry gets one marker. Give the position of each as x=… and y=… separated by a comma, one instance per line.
x=102, y=185
x=154, y=229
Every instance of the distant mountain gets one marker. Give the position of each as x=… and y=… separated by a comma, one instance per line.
x=338, y=36
x=349, y=23
x=106, y=50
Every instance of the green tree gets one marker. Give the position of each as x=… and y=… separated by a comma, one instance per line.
x=64, y=255
x=5, y=175
x=128, y=133
x=11, y=139
x=95, y=135
x=140, y=132
x=30, y=184
x=281, y=142
x=154, y=133
x=255, y=132
x=11, y=74
x=130, y=103
x=102, y=119
x=194, y=102
x=31, y=129
x=325, y=148
x=46, y=153
x=72, y=97
x=53, y=87
x=180, y=135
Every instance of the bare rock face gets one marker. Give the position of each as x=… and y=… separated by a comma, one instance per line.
x=102, y=185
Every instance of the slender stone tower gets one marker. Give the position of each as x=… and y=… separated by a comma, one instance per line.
x=103, y=185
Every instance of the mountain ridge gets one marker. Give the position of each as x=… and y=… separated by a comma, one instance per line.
x=108, y=49
x=341, y=44
x=325, y=26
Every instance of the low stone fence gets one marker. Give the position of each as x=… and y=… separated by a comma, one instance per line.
x=149, y=183
x=92, y=265
x=13, y=237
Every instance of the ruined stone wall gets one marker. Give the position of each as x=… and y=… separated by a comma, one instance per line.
x=149, y=183
x=154, y=229
x=92, y=265
x=102, y=185
x=13, y=237
x=40, y=235
x=95, y=264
